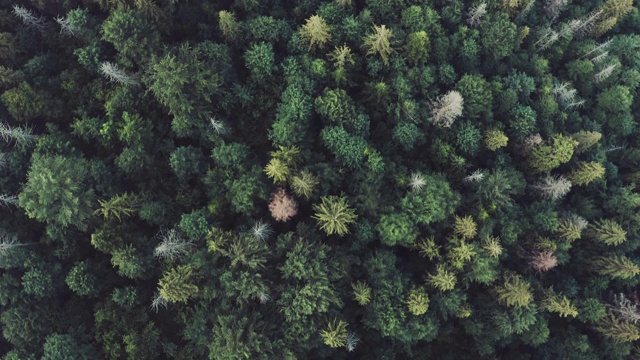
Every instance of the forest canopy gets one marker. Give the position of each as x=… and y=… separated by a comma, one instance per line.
x=319, y=179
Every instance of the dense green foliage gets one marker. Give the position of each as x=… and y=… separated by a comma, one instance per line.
x=319, y=179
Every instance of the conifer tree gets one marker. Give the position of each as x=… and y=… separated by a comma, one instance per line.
x=379, y=42
x=495, y=139
x=176, y=286
x=118, y=206
x=443, y=279
x=618, y=331
x=545, y=158
x=447, y=108
x=335, y=335
x=608, y=231
x=616, y=266
x=491, y=245
x=303, y=184
x=585, y=139
x=417, y=47
x=277, y=170
x=229, y=26
x=315, y=32
x=465, y=227
x=569, y=230
x=418, y=301
x=514, y=291
x=559, y=304
x=361, y=292
x=334, y=215
x=586, y=172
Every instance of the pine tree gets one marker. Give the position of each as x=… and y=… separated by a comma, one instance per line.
x=616, y=266
x=361, y=292
x=335, y=335
x=585, y=139
x=379, y=42
x=315, y=32
x=495, y=139
x=303, y=184
x=176, y=286
x=611, y=327
x=569, y=230
x=334, y=215
x=586, y=172
x=277, y=170
x=465, y=227
x=514, y=292
x=341, y=56
x=418, y=301
x=428, y=248
x=545, y=158
x=491, y=245
x=417, y=47
x=559, y=304
x=608, y=231
x=118, y=206
x=229, y=26
x=443, y=279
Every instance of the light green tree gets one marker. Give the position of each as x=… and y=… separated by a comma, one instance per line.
x=379, y=42
x=277, y=170
x=361, y=292
x=228, y=24
x=586, y=139
x=303, y=184
x=586, y=172
x=616, y=266
x=495, y=139
x=608, y=231
x=118, y=206
x=315, y=32
x=547, y=157
x=176, y=286
x=443, y=279
x=619, y=331
x=515, y=291
x=465, y=227
x=334, y=215
x=335, y=335
x=418, y=301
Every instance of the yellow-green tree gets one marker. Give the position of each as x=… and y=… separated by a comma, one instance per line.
x=443, y=279
x=585, y=139
x=608, y=232
x=611, y=327
x=315, y=32
x=334, y=215
x=176, y=286
x=559, y=304
x=418, y=301
x=495, y=139
x=547, y=157
x=586, y=172
x=616, y=266
x=335, y=335
x=515, y=291
x=228, y=24
x=465, y=227
x=361, y=292
x=379, y=42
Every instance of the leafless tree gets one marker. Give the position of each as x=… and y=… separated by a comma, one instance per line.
x=476, y=14
x=553, y=187
x=113, y=73
x=447, y=108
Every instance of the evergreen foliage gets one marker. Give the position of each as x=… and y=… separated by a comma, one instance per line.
x=331, y=179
